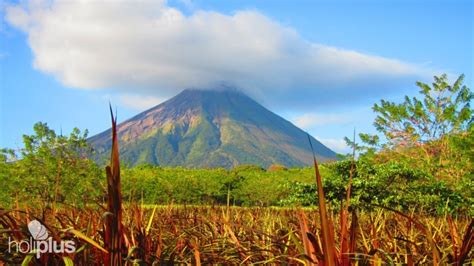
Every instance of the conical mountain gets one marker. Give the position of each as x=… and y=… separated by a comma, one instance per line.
x=209, y=128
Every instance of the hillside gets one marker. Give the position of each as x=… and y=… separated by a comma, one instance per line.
x=204, y=128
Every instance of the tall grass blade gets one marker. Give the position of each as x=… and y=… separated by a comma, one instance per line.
x=467, y=243
x=454, y=237
x=353, y=232
x=148, y=227
x=309, y=247
x=328, y=240
x=27, y=260
x=114, y=227
x=345, y=213
x=89, y=240
x=197, y=254
x=68, y=261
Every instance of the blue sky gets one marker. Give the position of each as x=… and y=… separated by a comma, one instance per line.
x=319, y=64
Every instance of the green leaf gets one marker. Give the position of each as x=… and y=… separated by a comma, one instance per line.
x=68, y=261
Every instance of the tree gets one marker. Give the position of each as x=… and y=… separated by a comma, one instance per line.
x=52, y=168
x=443, y=110
x=432, y=130
x=8, y=170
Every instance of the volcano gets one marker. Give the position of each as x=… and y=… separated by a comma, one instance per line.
x=210, y=128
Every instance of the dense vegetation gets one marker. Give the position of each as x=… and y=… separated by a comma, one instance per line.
x=392, y=184
x=409, y=195
x=50, y=168
x=425, y=162
x=217, y=235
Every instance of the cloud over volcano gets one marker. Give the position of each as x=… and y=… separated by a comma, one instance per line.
x=149, y=48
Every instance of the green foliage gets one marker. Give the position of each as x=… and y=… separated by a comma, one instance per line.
x=153, y=185
x=246, y=185
x=392, y=184
x=50, y=168
x=443, y=109
x=422, y=128
x=34, y=177
x=431, y=136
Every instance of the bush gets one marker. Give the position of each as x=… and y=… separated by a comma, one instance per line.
x=392, y=184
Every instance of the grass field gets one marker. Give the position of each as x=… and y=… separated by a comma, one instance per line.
x=207, y=234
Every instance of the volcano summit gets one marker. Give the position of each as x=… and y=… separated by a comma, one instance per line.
x=208, y=128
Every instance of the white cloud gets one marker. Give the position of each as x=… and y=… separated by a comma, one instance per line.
x=337, y=145
x=149, y=48
x=310, y=120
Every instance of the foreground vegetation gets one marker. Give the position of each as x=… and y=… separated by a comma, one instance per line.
x=408, y=198
x=190, y=234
